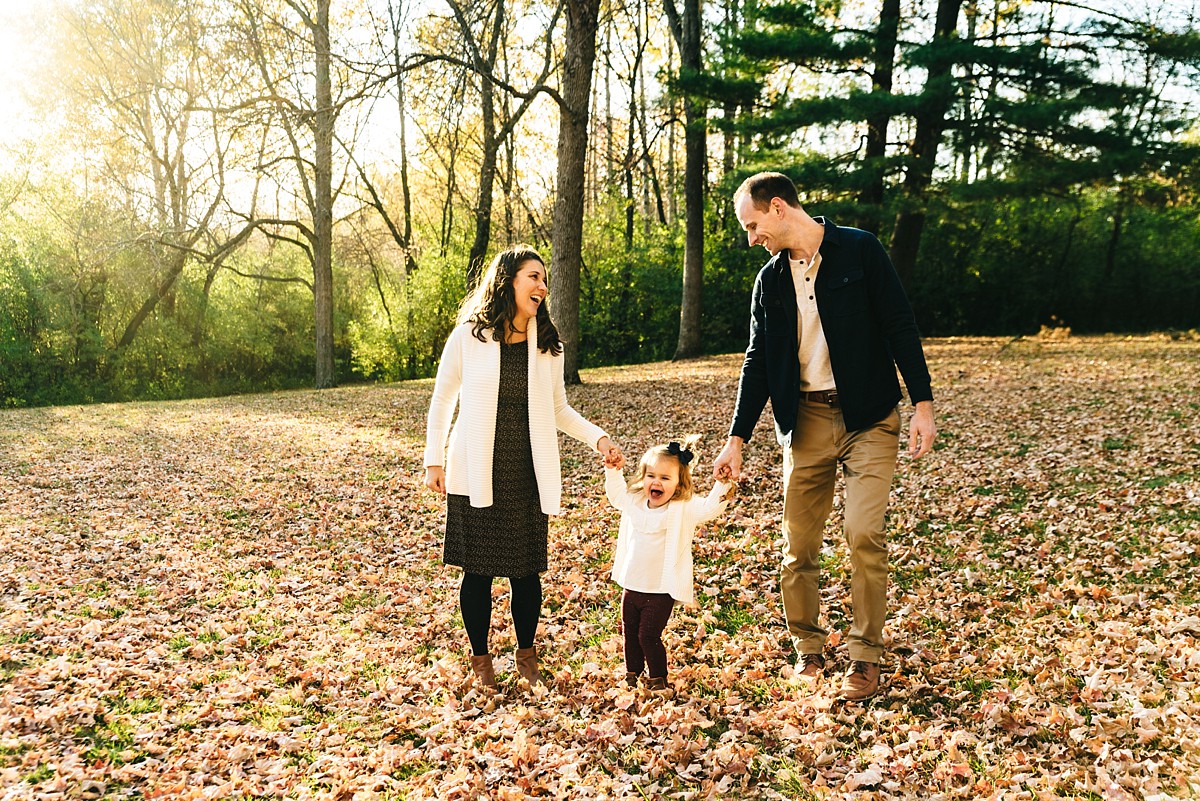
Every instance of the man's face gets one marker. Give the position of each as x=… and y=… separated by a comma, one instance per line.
x=761, y=227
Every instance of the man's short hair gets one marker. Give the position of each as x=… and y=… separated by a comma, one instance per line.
x=763, y=186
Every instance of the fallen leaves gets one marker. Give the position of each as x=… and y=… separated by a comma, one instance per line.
x=243, y=597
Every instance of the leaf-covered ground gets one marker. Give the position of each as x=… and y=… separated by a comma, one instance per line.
x=243, y=597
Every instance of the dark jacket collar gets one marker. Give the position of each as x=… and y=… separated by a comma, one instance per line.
x=833, y=234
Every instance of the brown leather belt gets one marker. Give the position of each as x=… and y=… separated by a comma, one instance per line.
x=828, y=397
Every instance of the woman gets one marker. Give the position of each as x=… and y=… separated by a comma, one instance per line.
x=501, y=473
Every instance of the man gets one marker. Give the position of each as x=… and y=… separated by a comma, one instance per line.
x=829, y=324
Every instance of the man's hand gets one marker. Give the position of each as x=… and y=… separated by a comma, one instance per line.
x=922, y=430
x=728, y=466
x=435, y=478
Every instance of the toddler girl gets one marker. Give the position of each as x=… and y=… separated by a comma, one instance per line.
x=653, y=562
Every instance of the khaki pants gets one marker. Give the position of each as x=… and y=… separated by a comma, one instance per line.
x=868, y=459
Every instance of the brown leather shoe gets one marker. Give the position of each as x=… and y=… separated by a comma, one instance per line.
x=861, y=682
x=631, y=679
x=658, y=686
x=485, y=674
x=810, y=668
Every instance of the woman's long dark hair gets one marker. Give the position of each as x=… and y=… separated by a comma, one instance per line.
x=492, y=303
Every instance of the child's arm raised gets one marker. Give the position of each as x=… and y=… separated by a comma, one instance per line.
x=712, y=506
x=615, y=488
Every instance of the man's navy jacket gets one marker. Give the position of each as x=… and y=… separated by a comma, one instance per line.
x=868, y=324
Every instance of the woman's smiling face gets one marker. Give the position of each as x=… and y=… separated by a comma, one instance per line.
x=660, y=481
x=529, y=291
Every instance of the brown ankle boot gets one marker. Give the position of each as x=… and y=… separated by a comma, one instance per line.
x=527, y=665
x=485, y=674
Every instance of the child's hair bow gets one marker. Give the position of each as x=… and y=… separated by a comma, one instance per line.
x=684, y=455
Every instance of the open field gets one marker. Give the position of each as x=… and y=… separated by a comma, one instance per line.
x=243, y=597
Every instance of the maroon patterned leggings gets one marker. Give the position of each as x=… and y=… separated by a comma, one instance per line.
x=644, y=615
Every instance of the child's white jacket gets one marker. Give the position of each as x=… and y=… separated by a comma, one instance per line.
x=682, y=519
x=469, y=373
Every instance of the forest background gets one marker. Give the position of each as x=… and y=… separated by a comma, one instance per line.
x=215, y=196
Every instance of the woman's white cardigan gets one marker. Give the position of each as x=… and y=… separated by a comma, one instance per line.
x=469, y=373
x=682, y=519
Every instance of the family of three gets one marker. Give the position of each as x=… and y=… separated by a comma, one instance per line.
x=829, y=326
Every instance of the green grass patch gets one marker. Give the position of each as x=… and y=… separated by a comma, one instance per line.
x=10, y=668
x=12, y=751
x=110, y=742
x=40, y=774
x=408, y=770
x=1157, y=482
x=1018, y=496
x=975, y=687
x=792, y=783
x=362, y=600
x=96, y=589
x=134, y=706
x=730, y=618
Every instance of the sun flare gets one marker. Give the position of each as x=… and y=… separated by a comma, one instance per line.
x=24, y=51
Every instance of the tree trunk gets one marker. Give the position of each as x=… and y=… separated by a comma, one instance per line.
x=174, y=269
x=508, y=182
x=396, y=15
x=871, y=198
x=687, y=33
x=567, y=237
x=487, y=183
x=485, y=66
x=323, y=211
x=931, y=122
x=484, y=51
x=410, y=263
x=454, y=110
x=1114, y=238
x=672, y=195
x=630, y=133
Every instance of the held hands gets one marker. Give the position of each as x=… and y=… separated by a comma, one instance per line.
x=728, y=466
x=611, y=453
x=435, y=475
x=435, y=478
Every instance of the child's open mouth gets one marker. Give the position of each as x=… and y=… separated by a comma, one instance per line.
x=656, y=494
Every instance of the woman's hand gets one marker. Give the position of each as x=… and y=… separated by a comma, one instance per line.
x=613, y=457
x=435, y=478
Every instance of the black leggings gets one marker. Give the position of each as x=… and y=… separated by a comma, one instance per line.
x=644, y=616
x=475, y=598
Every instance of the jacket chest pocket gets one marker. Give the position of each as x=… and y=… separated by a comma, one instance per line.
x=846, y=296
x=778, y=321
